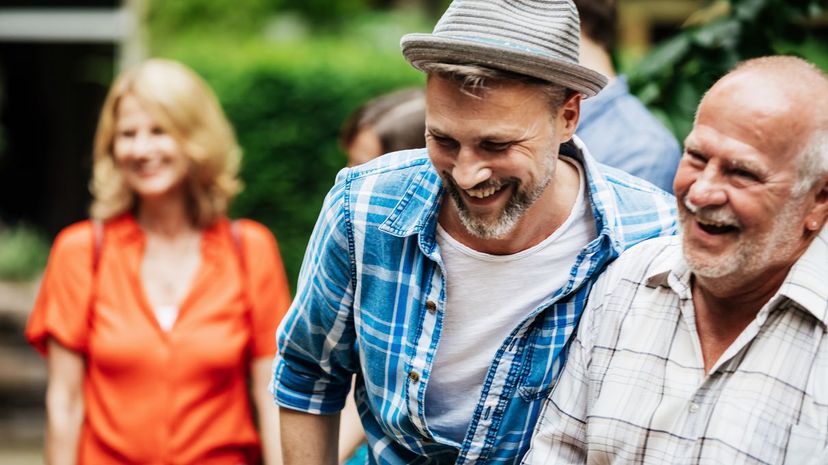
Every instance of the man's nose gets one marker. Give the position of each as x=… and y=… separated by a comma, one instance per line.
x=470, y=169
x=708, y=190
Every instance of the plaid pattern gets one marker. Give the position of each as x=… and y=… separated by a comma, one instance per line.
x=634, y=388
x=371, y=295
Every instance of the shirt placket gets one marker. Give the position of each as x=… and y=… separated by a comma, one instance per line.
x=420, y=365
x=494, y=404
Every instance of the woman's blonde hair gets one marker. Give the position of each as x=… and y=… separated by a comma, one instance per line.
x=185, y=107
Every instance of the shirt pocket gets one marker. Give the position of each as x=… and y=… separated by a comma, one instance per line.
x=543, y=363
x=806, y=446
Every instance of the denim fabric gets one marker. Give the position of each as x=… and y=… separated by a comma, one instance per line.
x=622, y=133
x=371, y=297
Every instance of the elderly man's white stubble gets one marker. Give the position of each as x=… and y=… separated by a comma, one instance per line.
x=743, y=218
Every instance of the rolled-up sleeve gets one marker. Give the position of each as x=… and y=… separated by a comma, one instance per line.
x=62, y=308
x=315, y=361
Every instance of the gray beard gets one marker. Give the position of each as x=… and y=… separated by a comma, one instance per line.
x=516, y=206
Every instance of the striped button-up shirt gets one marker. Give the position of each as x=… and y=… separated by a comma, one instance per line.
x=371, y=296
x=635, y=391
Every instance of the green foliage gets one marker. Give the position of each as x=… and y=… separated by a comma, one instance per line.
x=167, y=20
x=287, y=104
x=674, y=76
x=23, y=253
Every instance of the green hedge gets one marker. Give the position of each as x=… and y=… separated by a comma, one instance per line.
x=673, y=77
x=23, y=253
x=287, y=104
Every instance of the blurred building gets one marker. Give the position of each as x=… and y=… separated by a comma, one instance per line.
x=645, y=22
x=57, y=58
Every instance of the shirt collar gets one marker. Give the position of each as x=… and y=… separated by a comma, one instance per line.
x=670, y=270
x=418, y=208
x=602, y=198
x=805, y=283
x=128, y=233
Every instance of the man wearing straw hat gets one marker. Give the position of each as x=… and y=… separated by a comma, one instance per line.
x=449, y=280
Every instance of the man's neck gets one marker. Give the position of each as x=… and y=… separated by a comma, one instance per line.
x=594, y=57
x=724, y=307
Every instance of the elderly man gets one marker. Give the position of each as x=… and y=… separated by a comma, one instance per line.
x=450, y=279
x=712, y=347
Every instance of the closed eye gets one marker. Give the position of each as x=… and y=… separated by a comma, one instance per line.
x=495, y=146
x=442, y=141
x=696, y=156
x=744, y=174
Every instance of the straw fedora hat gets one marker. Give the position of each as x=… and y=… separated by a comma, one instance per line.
x=537, y=38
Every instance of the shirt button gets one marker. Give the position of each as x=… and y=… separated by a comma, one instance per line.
x=693, y=408
x=413, y=376
x=431, y=307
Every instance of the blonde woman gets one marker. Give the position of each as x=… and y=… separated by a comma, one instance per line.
x=157, y=318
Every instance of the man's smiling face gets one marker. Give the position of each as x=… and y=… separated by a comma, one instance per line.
x=735, y=183
x=496, y=153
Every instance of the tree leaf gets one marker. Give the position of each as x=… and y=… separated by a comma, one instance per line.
x=721, y=33
x=665, y=56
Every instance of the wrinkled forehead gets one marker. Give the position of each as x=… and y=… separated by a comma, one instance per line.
x=756, y=112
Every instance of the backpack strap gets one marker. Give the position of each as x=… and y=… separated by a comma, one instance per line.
x=97, y=248
x=238, y=246
x=97, y=242
x=236, y=235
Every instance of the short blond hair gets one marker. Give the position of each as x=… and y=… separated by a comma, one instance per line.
x=184, y=106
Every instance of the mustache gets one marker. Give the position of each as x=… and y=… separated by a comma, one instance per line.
x=495, y=183
x=719, y=214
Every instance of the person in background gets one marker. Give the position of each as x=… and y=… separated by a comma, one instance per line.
x=385, y=124
x=154, y=315
x=615, y=125
x=450, y=279
x=712, y=346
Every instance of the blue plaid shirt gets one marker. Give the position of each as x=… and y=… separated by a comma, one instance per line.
x=370, y=301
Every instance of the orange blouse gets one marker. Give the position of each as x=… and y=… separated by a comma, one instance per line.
x=155, y=397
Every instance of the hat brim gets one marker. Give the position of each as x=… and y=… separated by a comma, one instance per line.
x=422, y=49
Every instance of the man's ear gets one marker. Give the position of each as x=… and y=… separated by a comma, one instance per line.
x=568, y=116
x=816, y=218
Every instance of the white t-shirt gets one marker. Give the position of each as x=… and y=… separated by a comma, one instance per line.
x=487, y=296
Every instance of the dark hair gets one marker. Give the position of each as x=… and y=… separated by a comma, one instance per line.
x=599, y=19
x=398, y=119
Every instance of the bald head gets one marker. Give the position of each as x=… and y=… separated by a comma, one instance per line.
x=783, y=100
x=801, y=83
x=748, y=206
